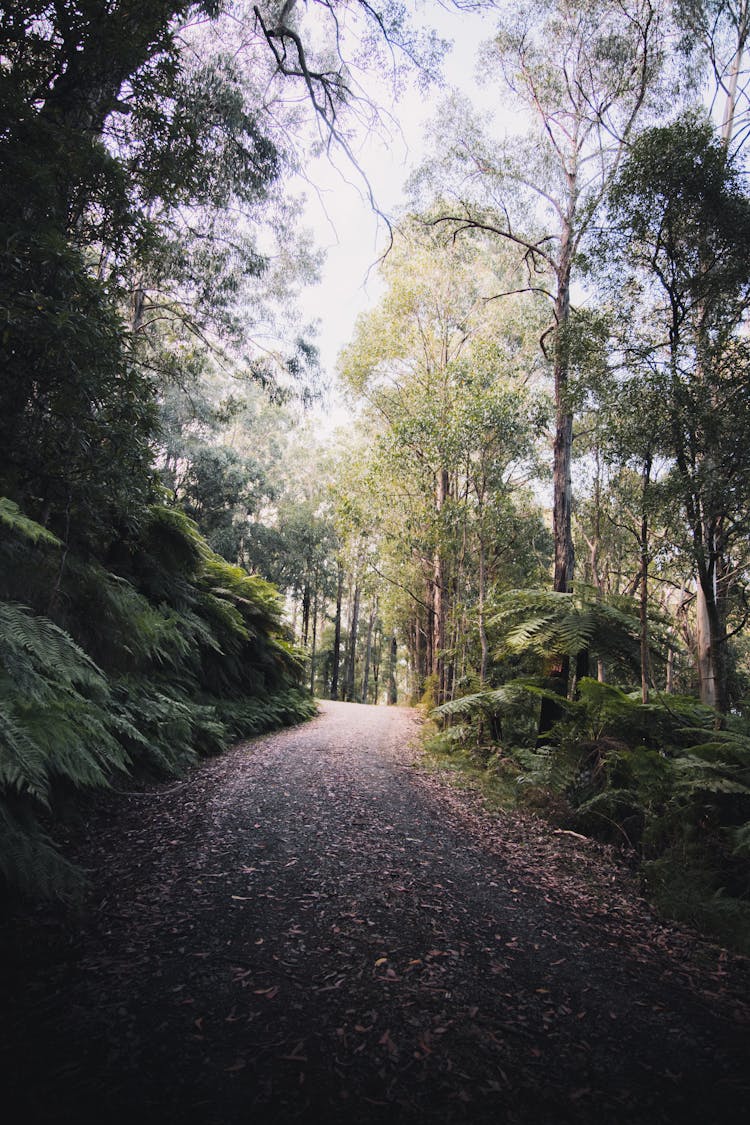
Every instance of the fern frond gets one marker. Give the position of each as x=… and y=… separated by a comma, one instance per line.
x=30, y=864
x=35, y=653
x=547, y=623
x=13, y=520
x=695, y=776
x=492, y=701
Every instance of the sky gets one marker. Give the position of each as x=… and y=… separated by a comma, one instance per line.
x=339, y=212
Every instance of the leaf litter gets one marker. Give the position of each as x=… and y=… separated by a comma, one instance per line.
x=314, y=928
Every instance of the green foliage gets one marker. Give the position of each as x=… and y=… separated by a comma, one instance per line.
x=16, y=523
x=53, y=700
x=506, y=715
x=548, y=623
x=143, y=671
x=56, y=729
x=657, y=779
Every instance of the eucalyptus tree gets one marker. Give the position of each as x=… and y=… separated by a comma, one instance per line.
x=718, y=31
x=622, y=443
x=453, y=426
x=582, y=72
x=680, y=226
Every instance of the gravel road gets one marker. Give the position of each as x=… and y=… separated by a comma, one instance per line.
x=310, y=928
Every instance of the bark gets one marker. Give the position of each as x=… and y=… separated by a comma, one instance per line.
x=711, y=643
x=563, y=441
x=351, y=655
x=481, y=613
x=558, y=665
x=583, y=665
x=376, y=658
x=314, y=643
x=669, y=686
x=392, y=687
x=368, y=652
x=419, y=666
x=337, y=635
x=710, y=639
x=306, y=614
x=643, y=606
x=742, y=29
x=439, y=592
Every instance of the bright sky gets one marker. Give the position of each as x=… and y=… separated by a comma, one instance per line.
x=340, y=215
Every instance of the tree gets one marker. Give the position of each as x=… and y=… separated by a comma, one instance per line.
x=681, y=225
x=453, y=437
x=622, y=439
x=583, y=71
x=719, y=31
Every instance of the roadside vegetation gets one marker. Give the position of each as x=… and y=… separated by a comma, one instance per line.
x=536, y=523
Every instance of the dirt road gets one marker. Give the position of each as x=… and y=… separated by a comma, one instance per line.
x=310, y=928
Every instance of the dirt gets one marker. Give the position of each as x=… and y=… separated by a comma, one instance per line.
x=314, y=928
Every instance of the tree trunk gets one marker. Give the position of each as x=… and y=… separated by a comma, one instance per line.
x=711, y=645
x=562, y=450
x=351, y=655
x=643, y=607
x=669, y=686
x=439, y=594
x=314, y=642
x=741, y=22
x=306, y=613
x=392, y=687
x=481, y=615
x=377, y=653
x=368, y=651
x=337, y=634
x=558, y=666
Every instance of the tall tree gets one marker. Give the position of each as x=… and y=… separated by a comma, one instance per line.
x=681, y=223
x=583, y=72
x=718, y=32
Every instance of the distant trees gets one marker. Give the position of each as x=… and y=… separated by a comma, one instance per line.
x=453, y=429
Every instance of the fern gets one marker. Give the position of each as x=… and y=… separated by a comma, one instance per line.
x=53, y=700
x=694, y=776
x=740, y=837
x=30, y=864
x=23, y=763
x=14, y=521
x=494, y=701
x=548, y=623
x=40, y=658
x=144, y=669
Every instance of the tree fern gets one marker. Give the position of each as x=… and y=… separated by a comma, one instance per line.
x=492, y=701
x=30, y=864
x=548, y=623
x=40, y=658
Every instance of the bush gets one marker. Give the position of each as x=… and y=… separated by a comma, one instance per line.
x=656, y=779
x=144, y=671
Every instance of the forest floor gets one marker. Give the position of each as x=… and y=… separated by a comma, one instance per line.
x=313, y=928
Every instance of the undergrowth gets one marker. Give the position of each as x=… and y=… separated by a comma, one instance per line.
x=655, y=779
x=168, y=655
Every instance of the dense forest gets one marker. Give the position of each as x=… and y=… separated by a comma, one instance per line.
x=535, y=523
